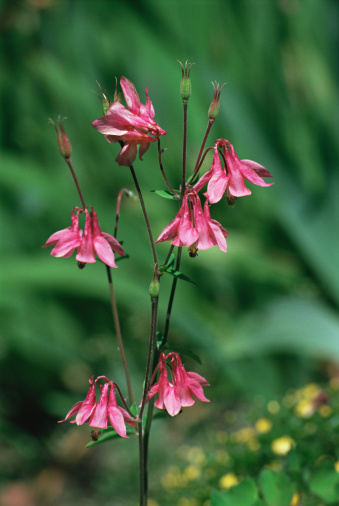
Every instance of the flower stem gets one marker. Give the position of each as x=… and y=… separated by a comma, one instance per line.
x=163, y=172
x=69, y=163
x=118, y=331
x=142, y=203
x=197, y=165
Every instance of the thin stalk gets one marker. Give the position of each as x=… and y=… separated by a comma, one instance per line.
x=142, y=203
x=184, y=150
x=143, y=478
x=118, y=332
x=163, y=172
x=69, y=163
x=197, y=165
x=171, y=298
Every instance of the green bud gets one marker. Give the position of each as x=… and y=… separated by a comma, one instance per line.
x=185, y=85
x=214, y=107
x=154, y=288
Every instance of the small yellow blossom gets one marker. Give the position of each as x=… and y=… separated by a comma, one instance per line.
x=282, y=445
x=228, y=480
x=336, y=466
x=185, y=501
x=273, y=407
x=195, y=455
x=263, y=425
x=295, y=499
x=150, y=502
x=244, y=435
x=325, y=411
x=304, y=408
x=192, y=472
x=334, y=383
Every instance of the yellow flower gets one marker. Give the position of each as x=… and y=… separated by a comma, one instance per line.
x=336, y=466
x=282, y=445
x=263, y=425
x=227, y=481
x=295, y=499
x=192, y=472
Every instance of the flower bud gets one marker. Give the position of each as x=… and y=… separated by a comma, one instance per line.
x=214, y=107
x=185, y=85
x=62, y=138
x=154, y=288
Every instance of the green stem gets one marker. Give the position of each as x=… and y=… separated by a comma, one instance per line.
x=118, y=331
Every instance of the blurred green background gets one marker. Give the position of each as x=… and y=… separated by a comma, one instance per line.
x=264, y=317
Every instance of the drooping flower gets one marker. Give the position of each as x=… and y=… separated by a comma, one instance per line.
x=97, y=413
x=92, y=241
x=84, y=408
x=177, y=393
x=194, y=227
x=132, y=127
x=230, y=178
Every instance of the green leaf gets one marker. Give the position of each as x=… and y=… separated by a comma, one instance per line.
x=108, y=436
x=277, y=488
x=134, y=409
x=325, y=482
x=164, y=193
x=182, y=350
x=179, y=275
x=244, y=494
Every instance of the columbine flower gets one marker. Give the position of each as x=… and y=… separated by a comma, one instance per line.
x=231, y=177
x=131, y=126
x=175, y=394
x=98, y=413
x=66, y=241
x=194, y=227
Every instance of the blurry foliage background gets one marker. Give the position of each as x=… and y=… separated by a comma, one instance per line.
x=263, y=318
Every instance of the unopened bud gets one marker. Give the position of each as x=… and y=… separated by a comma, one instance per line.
x=214, y=107
x=154, y=288
x=185, y=85
x=62, y=138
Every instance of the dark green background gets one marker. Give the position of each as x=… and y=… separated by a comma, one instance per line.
x=263, y=318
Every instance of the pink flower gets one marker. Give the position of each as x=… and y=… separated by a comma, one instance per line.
x=98, y=413
x=133, y=126
x=231, y=177
x=92, y=241
x=194, y=227
x=84, y=408
x=175, y=394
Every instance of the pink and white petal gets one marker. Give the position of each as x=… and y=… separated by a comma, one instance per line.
x=217, y=187
x=65, y=248
x=251, y=175
x=117, y=421
x=171, y=400
x=259, y=169
x=219, y=236
x=203, y=180
x=128, y=419
x=143, y=148
x=170, y=231
x=127, y=155
x=131, y=95
x=104, y=251
x=85, y=251
x=54, y=238
x=195, y=376
x=197, y=390
x=115, y=245
x=99, y=416
x=72, y=411
x=84, y=413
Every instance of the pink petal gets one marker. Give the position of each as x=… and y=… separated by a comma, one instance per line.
x=250, y=171
x=72, y=411
x=127, y=155
x=99, y=415
x=217, y=187
x=131, y=95
x=171, y=400
x=117, y=421
x=104, y=251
